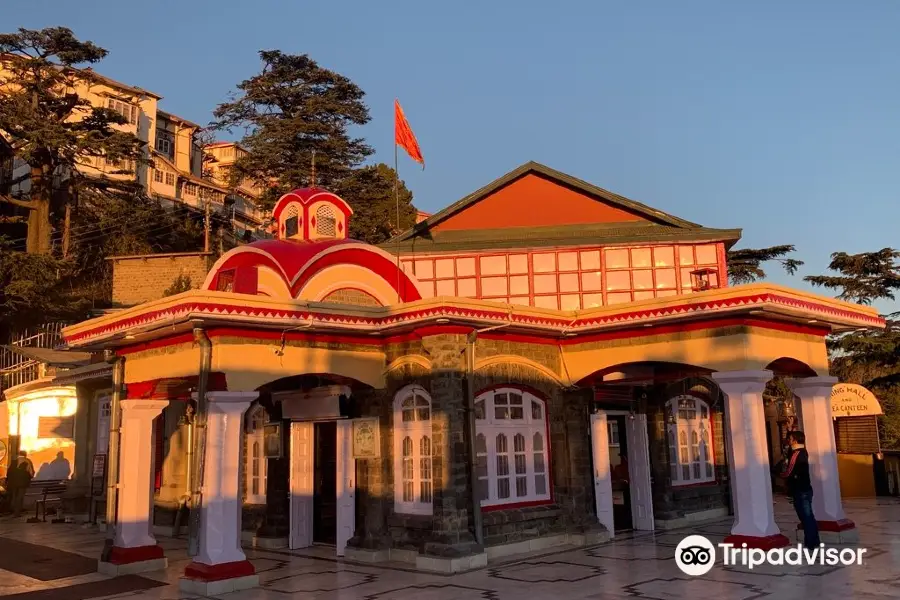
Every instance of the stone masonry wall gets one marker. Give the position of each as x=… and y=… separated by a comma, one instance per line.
x=138, y=279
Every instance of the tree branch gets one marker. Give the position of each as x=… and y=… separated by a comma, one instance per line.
x=30, y=205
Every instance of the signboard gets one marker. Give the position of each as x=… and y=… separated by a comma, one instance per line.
x=366, y=438
x=851, y=400
x=98, y=475
x=272, y=440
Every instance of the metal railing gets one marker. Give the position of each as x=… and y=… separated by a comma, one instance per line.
x=16, y=369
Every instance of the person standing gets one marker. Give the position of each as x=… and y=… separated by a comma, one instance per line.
x=796, y=474
x=18, y=479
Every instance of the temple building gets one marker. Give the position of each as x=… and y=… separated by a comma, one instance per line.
x=542, y=363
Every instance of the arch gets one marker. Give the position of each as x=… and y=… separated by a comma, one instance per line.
x=409, y=359
x=413, y=451
x=341, y=276
x=790, y=367
x=244, y=256
x=271, y=283
x=368, y=257
x=519, y=360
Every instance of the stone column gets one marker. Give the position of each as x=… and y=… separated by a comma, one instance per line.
x=134, y=548
x=221, y=566
x=751, y=483
x=817, y=424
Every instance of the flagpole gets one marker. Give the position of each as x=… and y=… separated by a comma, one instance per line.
x=397, y=200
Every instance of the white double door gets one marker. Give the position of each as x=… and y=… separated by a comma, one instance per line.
x=303, y=487
x=638, y=472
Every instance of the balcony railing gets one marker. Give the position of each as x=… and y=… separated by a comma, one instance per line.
x=16, y=369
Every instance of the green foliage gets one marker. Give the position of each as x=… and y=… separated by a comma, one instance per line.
x=869, y=357
x=745, y=265
x=180, y=284
x=291, y=110
x=54, y=130
x=370, y=191
x=297, y=113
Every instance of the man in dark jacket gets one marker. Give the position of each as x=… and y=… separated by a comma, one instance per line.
x=18, y=479
x=796, y=473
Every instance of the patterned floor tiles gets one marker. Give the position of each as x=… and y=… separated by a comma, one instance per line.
x=636, y=565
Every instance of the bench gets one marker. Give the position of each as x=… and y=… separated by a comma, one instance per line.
x=49, y=490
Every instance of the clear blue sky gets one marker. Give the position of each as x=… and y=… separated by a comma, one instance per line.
x=777, y=117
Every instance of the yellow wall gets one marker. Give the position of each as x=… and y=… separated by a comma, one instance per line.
x=24, y=415
x=856, y=474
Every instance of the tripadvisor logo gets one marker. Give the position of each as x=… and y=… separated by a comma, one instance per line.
x=696, y=555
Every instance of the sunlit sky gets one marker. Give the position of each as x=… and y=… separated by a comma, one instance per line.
x=777, y=117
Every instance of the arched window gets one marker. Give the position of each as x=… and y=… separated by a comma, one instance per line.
x=511, y=445
x=690, y=441
x=326, y=224
x=291, y=221
x=412, y=451
x=256, y=464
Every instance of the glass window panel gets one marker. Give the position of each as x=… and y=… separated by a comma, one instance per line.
x=592, y=281
x=465, y=267
x=570, y=302
x=427, y=289
x=493, y=265
x=479, y=412
x=466, y=288
x=568, y=261
x=590, y=260
x=503, y=488
x=518, y=263
x=616, y=258
x=686, y=280
x=544, y=284
x=686, y=255
x=493, y=286
x=642, y=280
x=664, y=256
x=516, y=412
x=540, y=484
x=521, y=484
x=644, y=295
x=518, y=285
x=709, y=470
x=520, y=300
x=544, y=263
x=618, y=280
x=714, y=279
x=662, y=293
x=546, y=302
x=519, y=446
x=424, y=269
x=446, y=287
x=706, y=254
x=536, y=415
x=618, y=298
x=501, y=412
x=444, y=268
x=640, y=257
x=591, y=300
x=568, y=282
x=665, y=279
x=515, y=398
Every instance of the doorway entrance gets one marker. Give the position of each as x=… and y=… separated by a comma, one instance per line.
x=622, y=483
x=323, y=484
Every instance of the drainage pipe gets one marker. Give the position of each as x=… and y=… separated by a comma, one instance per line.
x=199, y=441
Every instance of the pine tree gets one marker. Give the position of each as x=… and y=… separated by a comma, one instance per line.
x=298, y=114
x=869, y=357
x=745, y=265
x=54, y=130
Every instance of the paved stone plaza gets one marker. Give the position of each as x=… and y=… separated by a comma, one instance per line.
x=639, y=566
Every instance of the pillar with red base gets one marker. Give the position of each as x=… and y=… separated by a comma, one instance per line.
x=134, y=548
x=751, y=484
x=817, y=425
x=221, y=566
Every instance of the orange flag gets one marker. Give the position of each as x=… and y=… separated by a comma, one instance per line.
x=404, y=137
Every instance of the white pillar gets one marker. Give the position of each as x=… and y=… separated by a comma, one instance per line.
x=751, y=484
x=134, y=547
x=818, y=427
x=221, y=565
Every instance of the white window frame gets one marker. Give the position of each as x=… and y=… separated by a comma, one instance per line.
x=691, y=436
x=490, y=424
x=420, y=499
x=256, y=420
x=613, y=433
